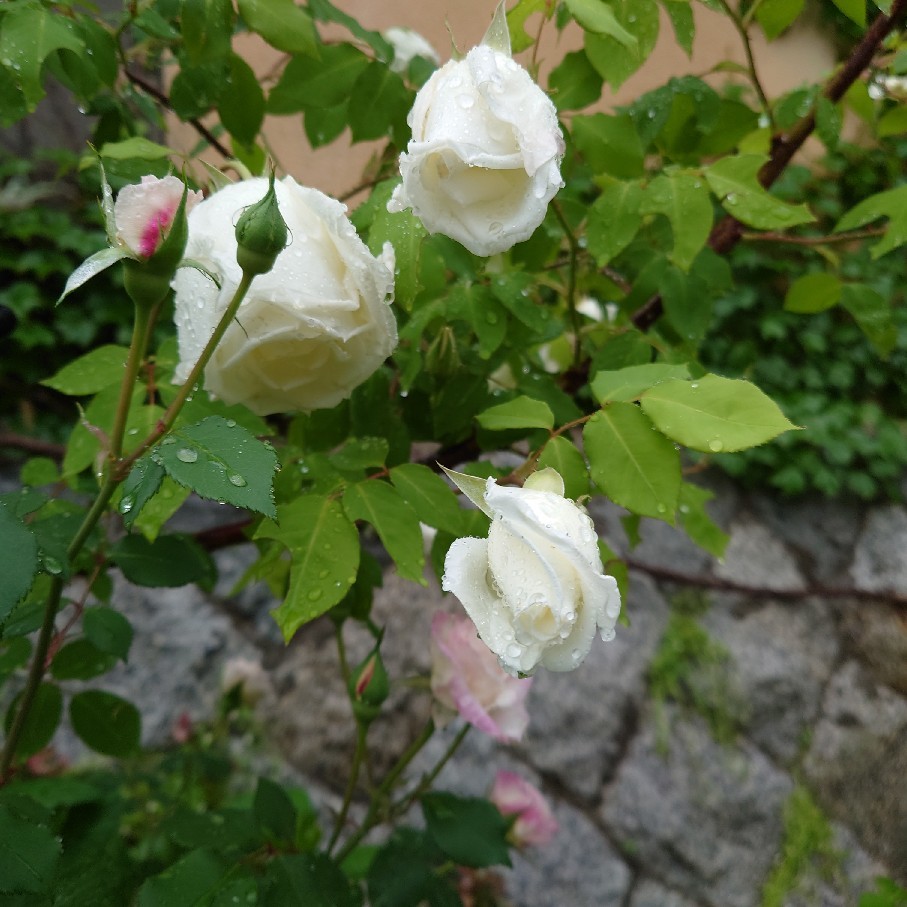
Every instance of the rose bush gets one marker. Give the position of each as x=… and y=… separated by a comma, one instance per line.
x=535, y=588
x=309, y=331
x=484, y=158
x=467, y=679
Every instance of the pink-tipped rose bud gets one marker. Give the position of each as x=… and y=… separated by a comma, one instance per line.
x=144, y=212
x=534, y=824
x=466, y=678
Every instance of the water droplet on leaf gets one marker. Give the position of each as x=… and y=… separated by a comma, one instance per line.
x=187, y=455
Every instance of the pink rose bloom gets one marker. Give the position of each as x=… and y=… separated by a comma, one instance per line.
x=466, y=678
x=515, y=796
x=144, y=212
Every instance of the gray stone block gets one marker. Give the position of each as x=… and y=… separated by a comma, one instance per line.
x=703, y=819
x=651, y=894
x=879, y=564
x=756, y=557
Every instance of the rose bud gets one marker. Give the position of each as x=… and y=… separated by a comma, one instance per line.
x=369, y=687
x=261, y=234
x=534, y=823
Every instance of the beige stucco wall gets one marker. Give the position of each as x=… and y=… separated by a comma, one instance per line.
x=802, y=55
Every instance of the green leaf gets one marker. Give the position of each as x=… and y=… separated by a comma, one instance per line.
x=282, y=24
x=221, y=830
x=41, y=722
x=160, y=508
x=403, y=872
x=325, y=11
x=14, y=654
x=81, y=660
x=190, y=882
x=735, y=181
x=429, y=496
x=828, y=121
x=395, y=522
x=324, y=550
x=313, y=880
x=681, y=16
x=813, y=293
x=20, y=557
x=471, y=486
x=891, y=204
x=170, y=560
x=561, y=455
x=470, y=830
x=105, y=722
x=30, y=33
x=855, y=10
x=696, y=522
x=309, y=84
x=404, y=231
x=275, y=811
x=90, y=373
x=626, y=384
x=379, y=104
x=477, y=307
x=242, y=105
x=135, y=147
x=38, y=471
x=894, y=122
x=108, y=630
x=520, y=39
x=872, y=312
x=220, y=460
x=614, y=220
x=615, y=59
x=92, y=265
x=609, y=144
x=633, y=464
x=28, y=858
x=684, y=200
x=207, y=29
x=775, y=16
x=574, y=83
x=597, y=17
x=141, y=485
x=521, y=412
x=714, y=414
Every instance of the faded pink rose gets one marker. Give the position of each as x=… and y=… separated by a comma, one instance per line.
x=515, y=796
x=145, y=211
x=466, y=678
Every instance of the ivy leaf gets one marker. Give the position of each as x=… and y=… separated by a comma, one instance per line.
x=891, y=204
x=324, y=552
x=714, y=414
x=635, y=466
x=220, y=460
x=395, y=522
x=735, y=181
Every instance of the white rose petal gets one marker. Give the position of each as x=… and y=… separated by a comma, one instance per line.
x=310, y=330
x=407, y=44
x=535, y=589
x=484, y=159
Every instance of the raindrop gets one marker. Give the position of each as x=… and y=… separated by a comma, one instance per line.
x=169, y=440
x=694, y=386
x=126, y=504
x=514, y=651
x=231, y=423
x=716, y=444
x=495, y=226
x=314, y=595
x=731, y=199
x=322, y=574
x=52, y=565
x=607, y=635
x=187, y=455
x=661, y=508
x=466, y=101
x=237, y=480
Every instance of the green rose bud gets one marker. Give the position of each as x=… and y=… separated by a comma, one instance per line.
x=261, y=234
x=369, y=687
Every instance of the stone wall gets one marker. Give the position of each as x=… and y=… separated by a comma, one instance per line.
x=669, y=801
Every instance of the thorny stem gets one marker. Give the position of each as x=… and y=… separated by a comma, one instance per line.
x=381, y=793
x=573, y=247
x=743, y=31
x=166, y=421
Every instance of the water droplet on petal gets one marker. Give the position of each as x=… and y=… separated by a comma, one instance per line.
x=466, y=101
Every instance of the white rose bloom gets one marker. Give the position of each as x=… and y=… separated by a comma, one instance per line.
x=535, y=588
x=407, y=44
x=311, y=329
x=484, y=159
